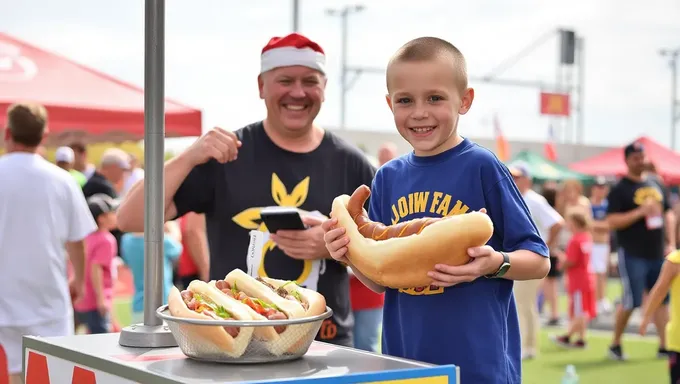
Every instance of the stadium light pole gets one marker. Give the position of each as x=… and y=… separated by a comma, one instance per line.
x=343, y=13
x=672, y=55
x=296, y=15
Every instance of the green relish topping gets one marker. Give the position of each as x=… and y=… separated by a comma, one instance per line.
x=218, y=309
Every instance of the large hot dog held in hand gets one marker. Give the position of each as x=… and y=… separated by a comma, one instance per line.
x=270, y=299
x=401, y=255
x=201, y=301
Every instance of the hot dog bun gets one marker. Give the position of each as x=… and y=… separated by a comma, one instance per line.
x=403, y=262
x=293, y=337
x=316, y=303
x=215, y=335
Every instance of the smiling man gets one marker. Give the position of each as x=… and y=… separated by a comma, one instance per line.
x=285, y=160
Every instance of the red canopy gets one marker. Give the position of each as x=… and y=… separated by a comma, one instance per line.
x=80, y=101
x=611, y=163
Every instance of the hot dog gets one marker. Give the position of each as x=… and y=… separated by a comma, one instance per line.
x=275, y=299
x=401, y=255
x=201, y=301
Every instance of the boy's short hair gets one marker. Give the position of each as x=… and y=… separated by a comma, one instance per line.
x=429, y=48
x=579, y=218
x=26, y=123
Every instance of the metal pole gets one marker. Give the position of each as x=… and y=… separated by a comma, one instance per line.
x=296, y=15
x=152, y=333
x=343, y=67
x=674, y=97
x=580, y=51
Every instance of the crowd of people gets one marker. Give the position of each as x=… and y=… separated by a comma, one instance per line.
x=216, y=187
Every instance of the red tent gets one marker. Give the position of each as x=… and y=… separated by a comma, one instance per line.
x=80, y=101
x=611, y=163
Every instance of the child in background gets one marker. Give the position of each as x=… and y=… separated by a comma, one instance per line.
x=580, y=280
x=668, y=281
x=132, y=250
x=467, y=315
x=94, y=309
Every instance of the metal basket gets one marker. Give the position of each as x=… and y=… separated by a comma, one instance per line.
x=291, y=344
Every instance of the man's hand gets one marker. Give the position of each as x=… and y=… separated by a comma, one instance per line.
x=305, y=244
x=76, y=289
x=650, y=208
x=485, y=261
x=218, y=144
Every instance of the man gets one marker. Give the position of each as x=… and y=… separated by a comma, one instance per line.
x=43, y=212
x=113, y=166
x=285, y=160
x=600, y=253
x=136, y=173
x=65, y=158
x=640, y=214
x=549, y=224
x=81, y=164
x=366, y=304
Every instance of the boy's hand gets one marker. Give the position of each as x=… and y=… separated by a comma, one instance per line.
x=485, y=261
x=336, y=241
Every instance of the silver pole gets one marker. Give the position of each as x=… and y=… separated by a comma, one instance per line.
x=296, y=15
x=344, y=15
x=675, y=103
x=152, y=333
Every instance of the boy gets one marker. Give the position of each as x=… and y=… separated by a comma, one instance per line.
x=94, y=308
x=467, y=316
x=580, y=280
x=668, y=281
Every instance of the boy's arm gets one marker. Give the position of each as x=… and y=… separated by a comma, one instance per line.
x=97, y=276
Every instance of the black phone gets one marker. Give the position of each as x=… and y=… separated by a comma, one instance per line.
x=281, y=218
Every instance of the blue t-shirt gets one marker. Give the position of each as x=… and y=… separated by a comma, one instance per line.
x=600, y=210
x=132, y=251
x=472, y=325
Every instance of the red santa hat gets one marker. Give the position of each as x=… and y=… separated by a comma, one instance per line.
x=290, y=50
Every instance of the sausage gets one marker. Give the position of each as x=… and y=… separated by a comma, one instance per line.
x=222, y=285
x=379, y=231
x=278, y=316
x=232, y=331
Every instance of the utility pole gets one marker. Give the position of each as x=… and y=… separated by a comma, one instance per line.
x=296, y=15
x=675, y=103
x=344, y=13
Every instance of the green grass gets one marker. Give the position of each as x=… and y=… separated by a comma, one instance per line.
x=592, y=364
x=122, y=311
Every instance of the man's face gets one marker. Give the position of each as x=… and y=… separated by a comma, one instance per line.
x=636, y=163
x=114, y=173
x=600, y=191
x=293, y=96
x=523, y=183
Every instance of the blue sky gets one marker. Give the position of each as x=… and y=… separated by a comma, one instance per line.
x=213, y=47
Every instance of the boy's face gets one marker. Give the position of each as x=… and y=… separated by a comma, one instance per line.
x=425, y=99
x=107, y=221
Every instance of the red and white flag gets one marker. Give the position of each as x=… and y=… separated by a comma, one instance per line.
x=549, y=149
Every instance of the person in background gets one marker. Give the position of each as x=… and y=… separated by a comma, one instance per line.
x=136, y=173
x=549, y=224
x=94, y=309
x=550, y=284
x=601, y=252
x=81, y=164
x=43, y=212
x=132, y=250
x=366, y=304
x=113, y=166
x=570, y=197
x=65, y=158
x=668, y=281
x=194, y=262
x=580, y=280
x=640, y=213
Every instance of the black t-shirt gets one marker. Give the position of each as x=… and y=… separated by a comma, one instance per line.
x=638, y=239
x=100, y=184
x=231, y=196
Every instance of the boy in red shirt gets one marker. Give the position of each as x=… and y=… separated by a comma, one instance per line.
x=580, y=280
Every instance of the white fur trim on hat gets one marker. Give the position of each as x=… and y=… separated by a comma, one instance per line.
x=290, y=56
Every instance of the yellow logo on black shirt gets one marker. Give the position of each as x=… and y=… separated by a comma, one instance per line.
x=644, y=193
x=250, y=218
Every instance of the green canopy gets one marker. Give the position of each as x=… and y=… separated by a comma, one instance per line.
x=543, y=169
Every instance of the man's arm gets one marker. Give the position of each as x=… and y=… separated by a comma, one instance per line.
x=670, y=219
x=76, y=253
x=622, y=220
x=131, y=211
x=197, y=242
